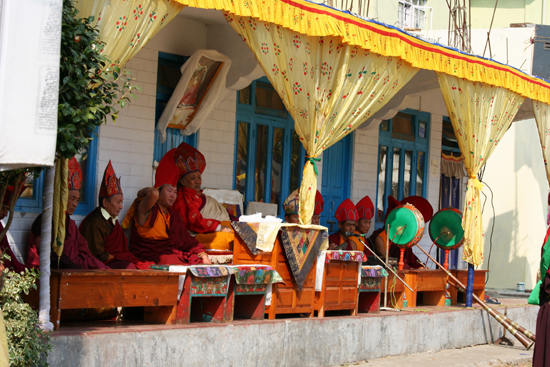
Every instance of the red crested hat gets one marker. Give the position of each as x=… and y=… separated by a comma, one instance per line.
x=9, y=194
x=189, y=159
x=319, y=203
x=110, y=185
x=167, y=171
x=365, y=208
x=75, y=175
x=422, y=205
x=346, y=211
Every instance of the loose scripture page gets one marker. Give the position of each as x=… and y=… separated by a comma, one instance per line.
x=30, y=38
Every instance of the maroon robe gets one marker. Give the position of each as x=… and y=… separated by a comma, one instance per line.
x=115, y=244
x=541, y=354
x=13, y=263
x=179, y=248
x=76, y=254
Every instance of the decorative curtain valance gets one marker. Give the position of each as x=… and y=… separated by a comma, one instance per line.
x=542, y=117
x=328, y=87
x=480, y=115
x=126, y=26
x=452, y=166
x=308, y=18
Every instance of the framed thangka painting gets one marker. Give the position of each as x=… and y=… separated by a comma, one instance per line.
x=201, y=78
x=199, y=91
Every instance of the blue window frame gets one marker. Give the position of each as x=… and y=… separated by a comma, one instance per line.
x=269, y=155
x=168, y=76
x=403, y=146
x=32, y=202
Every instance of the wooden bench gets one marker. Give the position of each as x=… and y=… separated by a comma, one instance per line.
x=157, y=291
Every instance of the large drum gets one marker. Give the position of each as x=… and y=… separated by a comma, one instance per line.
x=406, y=226
x=446, y=229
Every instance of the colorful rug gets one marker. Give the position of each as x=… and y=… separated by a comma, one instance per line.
x=342, y=255
x=301, y=247
x=248, y=233
x=368, y=271
x=256, y=274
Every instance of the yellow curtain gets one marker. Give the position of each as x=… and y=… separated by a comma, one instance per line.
x=328, y=87
x=126, y=26
x=60, y=199
x=480, y=115
x=542, y=116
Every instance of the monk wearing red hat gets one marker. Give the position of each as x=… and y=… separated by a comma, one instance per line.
x=365, y=212
x=319, y=205
x=158, y=232
x=203, y=215
x=76, y=254
x=101, y=228
x=5, y=247
x=346, y=215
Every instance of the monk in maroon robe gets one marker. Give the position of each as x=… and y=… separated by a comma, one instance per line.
x=76, y=254
x=101, y=228
x=158, y=233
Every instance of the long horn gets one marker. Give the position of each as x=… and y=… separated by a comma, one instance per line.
x=524, y=336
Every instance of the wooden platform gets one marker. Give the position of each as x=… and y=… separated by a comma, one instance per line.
x=286, y=299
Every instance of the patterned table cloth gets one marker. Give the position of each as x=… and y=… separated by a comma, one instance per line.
x=373, y=271
x=256, y=274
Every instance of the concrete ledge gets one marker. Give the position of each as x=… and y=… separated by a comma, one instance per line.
x=289, y=342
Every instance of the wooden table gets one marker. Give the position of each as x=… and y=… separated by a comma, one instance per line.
x=157, y=291
x=462, y=276
x=339, y=287
x=286, y=298
x=432, y=284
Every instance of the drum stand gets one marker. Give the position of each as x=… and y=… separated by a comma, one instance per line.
x=385, y=308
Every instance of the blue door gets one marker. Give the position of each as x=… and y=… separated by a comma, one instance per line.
x=336, y=179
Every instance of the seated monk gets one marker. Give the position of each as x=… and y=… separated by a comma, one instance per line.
x=379, y=237
x=76, y=254
x=291, y=206
x=204, y=216
x=346, y=215
x=319, y=205
x=101, y=228
x=12, y=263
x=158, y=233
x=365, y=212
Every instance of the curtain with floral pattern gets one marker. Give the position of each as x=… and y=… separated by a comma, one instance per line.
x=480, y=114
x=328, y=87
x=542, y=116
x=126, y=26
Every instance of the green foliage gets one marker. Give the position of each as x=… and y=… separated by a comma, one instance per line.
x=89, y=91
x=28, y=344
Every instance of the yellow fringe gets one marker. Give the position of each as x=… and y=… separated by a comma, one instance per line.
x=318, y=20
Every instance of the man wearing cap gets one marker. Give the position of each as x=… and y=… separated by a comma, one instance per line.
x=158, y=233
x=319, y=205
x=203, y=215
x=291, y=206
x=76, y=254
x=346, y=215
x=365, y=212
x=103, y=232
x=5, y=247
